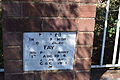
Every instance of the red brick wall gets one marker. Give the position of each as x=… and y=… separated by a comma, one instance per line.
x=48, y=15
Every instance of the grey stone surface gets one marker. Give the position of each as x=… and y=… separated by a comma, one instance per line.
x=48, y=50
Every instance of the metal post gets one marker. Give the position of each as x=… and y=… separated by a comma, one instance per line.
x=119, y=57
x=117, y=38
x=105, y=30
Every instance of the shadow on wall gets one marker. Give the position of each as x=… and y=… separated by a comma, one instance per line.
x=28, y=20
x=33, y=10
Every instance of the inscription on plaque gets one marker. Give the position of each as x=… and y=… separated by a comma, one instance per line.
x=48, y=50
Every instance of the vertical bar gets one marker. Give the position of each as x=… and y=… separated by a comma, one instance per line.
x=105, y=30
x=118, y=32
x=116, y=39
x=119, y=57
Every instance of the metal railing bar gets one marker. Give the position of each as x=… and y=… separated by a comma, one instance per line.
x=105, y=30
x=105, y=66
x=119, y=35
x=116, y=39
x=119, y=57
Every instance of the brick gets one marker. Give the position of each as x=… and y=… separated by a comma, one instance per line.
x=82, y=1
x=86, y=24
x=87, y=1
x=37, y=76
x=12, y=39
x=12, y=25
x=28, y=76
x=59, y=25
x=76, y=10
x=32, y=10
x=87, y=11
x=69, y=10
x=21, y=25
x=10, y=0
x=33, y=25
x=82, y=64
x=20, y=76
x=58, y=76
x=31, y=0
x=85, y=38
x=14, y=53
x=83, y=52
x=13, y=66
x=11, y=9
x=55, y=9
x=39, y=10
x=82, y=76
x=49, y=10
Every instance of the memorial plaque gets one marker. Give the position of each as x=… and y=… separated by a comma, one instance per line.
x=48, y=50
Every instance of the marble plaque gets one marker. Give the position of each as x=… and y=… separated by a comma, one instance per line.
x=48, y=50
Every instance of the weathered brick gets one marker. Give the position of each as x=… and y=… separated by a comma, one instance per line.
x=82, y=1
x=85, y=38
x=20, y=76
x=11, y=9
x=37, y=76
x=39, y=10
x=10, y=0
x=82, y=64
x=87, y=10
x=32, y=0
x=12, y=39
x=12, y=25
x=82, y=76
x=83, y=52
x=55, y=9
x=86, y=24
x=87, y=1
x=49, y=9
x=76, y=10
x=59, y=25
x=32, y=25
x=21, y=25
x=14, y=53
x=58, y=76
x=13, y=66
x=32, y=10
x=69, y=10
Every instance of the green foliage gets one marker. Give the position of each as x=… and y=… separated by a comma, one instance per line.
x=112, y=19
x=111, y=29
